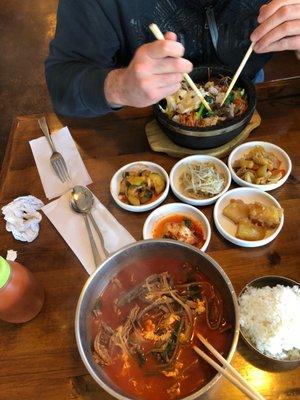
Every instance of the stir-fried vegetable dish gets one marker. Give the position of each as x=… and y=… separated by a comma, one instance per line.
x=179, y=227
x=253, y=220
x=145, y=326
x=259, y=167
x=141, y=186
x=185, y=106
x=201, y=180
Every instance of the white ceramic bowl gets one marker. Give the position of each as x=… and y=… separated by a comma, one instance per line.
x=244, y=148
x=177, y=208
x=116, y=180
x=227, y=228
x=177, y=170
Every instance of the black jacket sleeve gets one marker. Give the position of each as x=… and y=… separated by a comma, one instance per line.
x=82, y=53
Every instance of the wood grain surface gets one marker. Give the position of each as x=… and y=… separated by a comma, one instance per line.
x=39, y=359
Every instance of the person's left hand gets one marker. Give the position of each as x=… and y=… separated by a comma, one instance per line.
x=279, y=27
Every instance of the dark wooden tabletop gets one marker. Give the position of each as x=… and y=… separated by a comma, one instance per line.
x=39, y=359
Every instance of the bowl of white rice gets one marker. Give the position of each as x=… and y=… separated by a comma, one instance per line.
x=270, y=318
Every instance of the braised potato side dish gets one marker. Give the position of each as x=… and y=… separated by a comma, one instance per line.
x=259, y=167
x=253, y=220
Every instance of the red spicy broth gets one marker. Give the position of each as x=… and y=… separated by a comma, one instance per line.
x=141, y=377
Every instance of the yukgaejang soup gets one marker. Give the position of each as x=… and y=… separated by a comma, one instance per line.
x=145, y=325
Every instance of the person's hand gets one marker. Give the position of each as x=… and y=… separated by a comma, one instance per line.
x=155, y=72
x=279, y=27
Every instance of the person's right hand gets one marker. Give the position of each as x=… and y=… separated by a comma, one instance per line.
x=279, y=27
x=155, y=72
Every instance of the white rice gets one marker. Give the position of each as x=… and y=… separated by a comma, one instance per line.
x=270, y=319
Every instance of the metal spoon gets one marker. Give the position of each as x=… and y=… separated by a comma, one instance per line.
x=82, y=201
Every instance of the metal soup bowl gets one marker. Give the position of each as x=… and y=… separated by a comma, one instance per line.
x=140, y=253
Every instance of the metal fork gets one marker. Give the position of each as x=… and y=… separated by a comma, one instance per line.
x=57, y=161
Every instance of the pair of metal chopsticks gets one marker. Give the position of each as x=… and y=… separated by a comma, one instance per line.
x=227, y=370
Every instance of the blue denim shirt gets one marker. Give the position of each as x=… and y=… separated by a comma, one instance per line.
x=259, y=77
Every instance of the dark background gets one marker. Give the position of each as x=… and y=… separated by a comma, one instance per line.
x=26, y=27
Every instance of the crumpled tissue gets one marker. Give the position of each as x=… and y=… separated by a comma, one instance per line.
x=22, y=218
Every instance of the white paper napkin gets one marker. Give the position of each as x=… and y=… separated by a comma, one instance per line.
x=65, y=145
x=72, y=228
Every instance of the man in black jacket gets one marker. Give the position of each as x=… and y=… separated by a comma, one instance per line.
x=103, y=55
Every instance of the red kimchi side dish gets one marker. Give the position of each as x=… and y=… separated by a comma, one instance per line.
x=145, y=324
x=180, y=227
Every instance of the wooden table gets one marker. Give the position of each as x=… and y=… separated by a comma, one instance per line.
x=39, y=359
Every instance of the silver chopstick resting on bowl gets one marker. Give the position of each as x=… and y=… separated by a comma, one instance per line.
x=57, y=161
x=232, y=375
